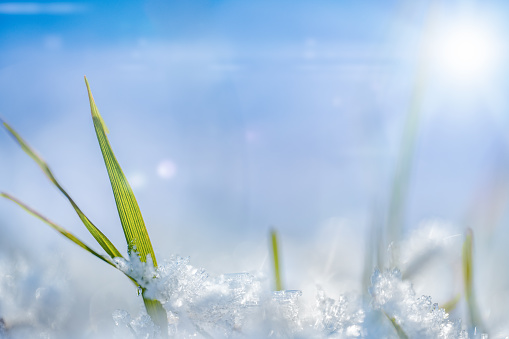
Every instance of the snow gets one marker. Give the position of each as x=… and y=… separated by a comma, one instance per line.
x=36, y=302
x=236, y=305
x=418, y=317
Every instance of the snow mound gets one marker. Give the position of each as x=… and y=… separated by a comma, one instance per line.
x=418, y=317
x=34, y=297
x=236, y=306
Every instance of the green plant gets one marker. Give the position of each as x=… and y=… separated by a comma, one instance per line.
x=468, y=279
x=136, y=235
x=275, y=257
x=399, y=331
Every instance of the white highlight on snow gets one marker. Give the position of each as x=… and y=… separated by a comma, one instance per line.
x=36, y=8
x=166, y=169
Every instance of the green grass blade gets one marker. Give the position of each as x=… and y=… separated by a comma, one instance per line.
x=450, y=305
x=405, y=161
x=158, y=315
x=399, y=330
x=468, y=279
x=275, y=257
x=58, y=228
x=103, y=241
x=128, y=210
x=64, y=232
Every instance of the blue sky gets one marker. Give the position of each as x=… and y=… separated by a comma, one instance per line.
x=265, y=113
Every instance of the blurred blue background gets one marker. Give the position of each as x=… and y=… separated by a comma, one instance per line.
x=231, y=117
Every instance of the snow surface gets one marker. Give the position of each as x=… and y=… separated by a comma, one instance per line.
x=235, y=306
x=35, y=302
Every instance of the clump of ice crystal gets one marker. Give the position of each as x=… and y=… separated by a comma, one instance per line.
x=34, y=297
x=236, y=306
x=341, y=318
x=418, y=317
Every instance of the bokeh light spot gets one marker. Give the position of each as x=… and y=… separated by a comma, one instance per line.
x=166, y=169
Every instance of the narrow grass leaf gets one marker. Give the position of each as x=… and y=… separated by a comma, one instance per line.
x=401, y=181
x=64, y=232
x=275, y=256
x=103, y=241
x=58, y=228
x=450, y=305
x=468, y=279
x=128, y=210
x=157, y=314
x=399, y=330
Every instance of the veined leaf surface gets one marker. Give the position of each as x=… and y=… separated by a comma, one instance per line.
x=128, y=210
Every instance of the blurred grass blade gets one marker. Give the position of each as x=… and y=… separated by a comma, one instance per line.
x=450, y=305
x=399, y=330
x=128, y=210
x=275, y=256
x=373, y=253
x=59, y=229
x=408, y=146
x=103, y=241
x=468, y=278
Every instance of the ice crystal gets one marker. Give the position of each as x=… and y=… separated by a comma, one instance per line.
x=236, y=305
x=418, y=317
x=34, y=299
x=338, y=318
x=34, y=304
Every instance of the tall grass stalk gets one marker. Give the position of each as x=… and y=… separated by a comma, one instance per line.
x=404, y=165
x=399, y=331
x=275, y=258
x=468, y=279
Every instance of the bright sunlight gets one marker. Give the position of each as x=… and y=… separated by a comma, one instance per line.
x=467, y=50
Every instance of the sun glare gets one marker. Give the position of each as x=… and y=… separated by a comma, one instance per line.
x=468, y=50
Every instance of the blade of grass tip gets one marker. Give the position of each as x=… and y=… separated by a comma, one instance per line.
x=372, y=251
x=399, y=330
x=103, y=241
x=135, y=232
x=468, y=278
x=128, y=210
x=58, y=228
x=275, y=257
x=450, y=305
x=369, y=261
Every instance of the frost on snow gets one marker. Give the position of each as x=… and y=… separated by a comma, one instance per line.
x=417, y=317
x=36, y=302
x=34, y=298
x=236, y=305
